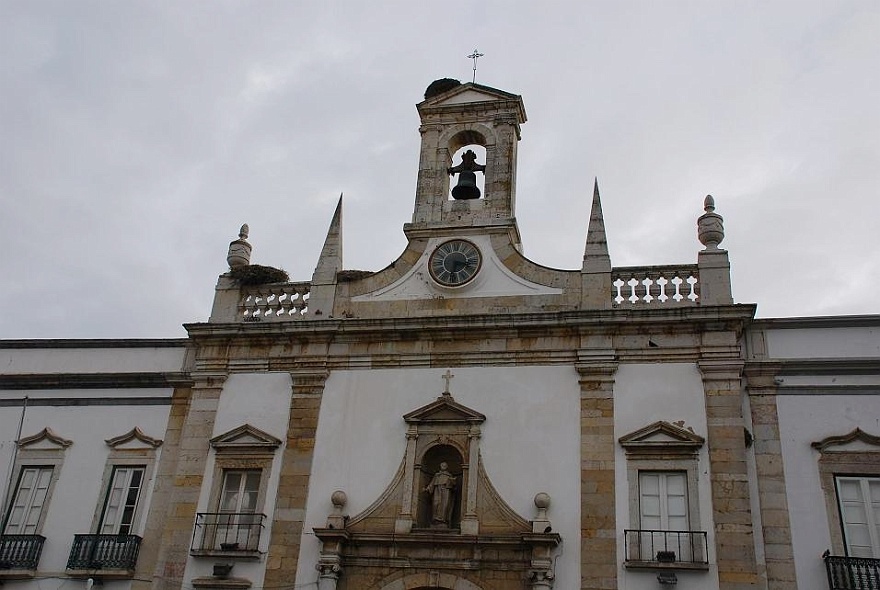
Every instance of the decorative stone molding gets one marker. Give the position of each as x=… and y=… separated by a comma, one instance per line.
x=856, y=435
x=134, y=434
x=245, y=439
x=483, y=534
x=661, y=438
x=48, y=435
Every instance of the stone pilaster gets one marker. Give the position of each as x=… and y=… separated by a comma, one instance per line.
x=731, y=508
x=293, y=486
x=148, y=555
x=598, y=518
x=775, y=524
x=181, y=501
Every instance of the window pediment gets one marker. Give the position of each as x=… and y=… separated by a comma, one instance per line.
x=855, y=440
x=245, y=439
x=133, y=439
x=661, y=437
x=45, y=439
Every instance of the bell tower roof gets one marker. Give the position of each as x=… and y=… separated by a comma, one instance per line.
x=469, y=94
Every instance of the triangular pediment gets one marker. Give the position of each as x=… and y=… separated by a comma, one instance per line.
x=444, y=409
x=45, y=439
x=855, y=440
x=133, y=439
x=661, y=436
x=468, y=93
x=245, y=438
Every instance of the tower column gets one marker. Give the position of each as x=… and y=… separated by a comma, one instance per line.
x=293, y=485
x=598, y=517
x=731, y=502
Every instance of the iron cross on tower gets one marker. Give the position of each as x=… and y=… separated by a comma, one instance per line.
x=475, y=56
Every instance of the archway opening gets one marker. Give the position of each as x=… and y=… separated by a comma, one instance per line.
x=457, y=160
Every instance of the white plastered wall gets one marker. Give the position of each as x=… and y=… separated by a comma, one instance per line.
x=77, y=491
x=530, y=443
x=644, y=394
x=263, y=401
x=804, y=419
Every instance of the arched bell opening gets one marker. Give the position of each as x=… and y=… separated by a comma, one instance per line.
x=468, y=181
x=440, y=486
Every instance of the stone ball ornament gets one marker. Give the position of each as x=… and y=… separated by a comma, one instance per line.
x=339, y=498
x=542, y=500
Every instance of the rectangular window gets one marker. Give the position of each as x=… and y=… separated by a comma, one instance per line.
x=859, y=502
x=663, y=500
x=120, y=506
x=237, y=527
x=240, y=491
x=29, y=501
x=663, y=506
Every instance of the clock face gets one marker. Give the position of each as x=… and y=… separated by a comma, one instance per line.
x=455, y=263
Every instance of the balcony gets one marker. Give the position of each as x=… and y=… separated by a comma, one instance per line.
x=227, y=534
x=852, y=573
x=114, y=555
x=657, y=549
x=19, y=555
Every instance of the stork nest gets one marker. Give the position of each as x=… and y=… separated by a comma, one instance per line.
x=255, y=274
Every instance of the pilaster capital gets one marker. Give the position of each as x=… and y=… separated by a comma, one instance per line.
x=762, y=377
x=208, y=380
x=309, y=380
x=721, y=369
x=598, y=369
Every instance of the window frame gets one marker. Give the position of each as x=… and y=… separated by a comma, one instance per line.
x=861, y=459
x=872, y=515
x=662, y=447
x=44, y=506
x=130, y=450
x=245, y=448
x=42, y=450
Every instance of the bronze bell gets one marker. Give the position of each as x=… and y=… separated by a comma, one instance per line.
x=467, y=186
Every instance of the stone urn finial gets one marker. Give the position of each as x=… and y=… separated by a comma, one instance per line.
x=710, y=225
x=239, y=250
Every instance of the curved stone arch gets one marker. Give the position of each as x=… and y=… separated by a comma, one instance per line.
x=425, y=581
x=465, y=131
x=462, y=449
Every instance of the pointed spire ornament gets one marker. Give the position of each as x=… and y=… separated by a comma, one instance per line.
x=596, y=258
x=330, y=261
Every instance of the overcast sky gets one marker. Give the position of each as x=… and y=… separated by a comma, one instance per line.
x=136, y=137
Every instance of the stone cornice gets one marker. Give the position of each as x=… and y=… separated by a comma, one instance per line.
x=96, y=343
x=845, y=321
x=94, y=381
x=815, y=366
x=610, y=321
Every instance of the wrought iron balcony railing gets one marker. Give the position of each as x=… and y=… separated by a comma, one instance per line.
x=104, y=552
x=852, y=573
x=666, y=548
x=227, y=532
x=20, y=552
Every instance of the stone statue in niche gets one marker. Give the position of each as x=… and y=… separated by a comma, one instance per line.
x=442, y=490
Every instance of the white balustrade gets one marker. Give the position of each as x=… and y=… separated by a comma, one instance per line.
x=655, y=285
x=276, y=302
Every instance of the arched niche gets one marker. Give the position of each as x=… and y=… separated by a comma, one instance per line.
x=431, y=463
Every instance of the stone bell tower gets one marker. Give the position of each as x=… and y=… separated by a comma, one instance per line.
x=454, y=116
